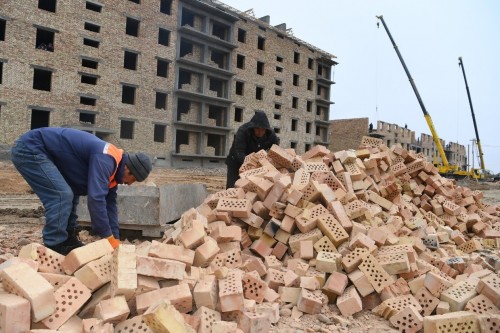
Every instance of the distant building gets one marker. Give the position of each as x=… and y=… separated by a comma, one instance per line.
x=174, y=78
x=347, y=134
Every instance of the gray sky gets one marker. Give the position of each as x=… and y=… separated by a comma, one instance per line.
x=431, y=35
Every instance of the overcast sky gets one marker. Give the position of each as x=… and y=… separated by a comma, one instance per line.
x=431, y=35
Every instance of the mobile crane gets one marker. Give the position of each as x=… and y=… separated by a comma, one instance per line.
x=481, y=156
x=444, y=167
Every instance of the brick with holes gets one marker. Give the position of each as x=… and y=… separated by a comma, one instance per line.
x=460, y=293
x=427, y=301
x=85, y=254
x=207, y=318
x=179, y=296
x=206, y=252
x=254, y=321
x=327, y=261
x=231, y=292
x=160, y=268
x=22, y=280
x=124, y=271
x=310, y=302
x=112, y=310
x=96, y=273
x=49, y=261
x=205, y=292
x=349, y=302
x=56, y=280
x=408, y=320
x=275, y=278
x=461, y=321
x=70, y=297
x=164, y=317
x=489, y=286
x=436, y=283
x=133, y=325
x=377, y=276
x=14, y=314
x=481, y=305
x=254, y=287
x=170, y=251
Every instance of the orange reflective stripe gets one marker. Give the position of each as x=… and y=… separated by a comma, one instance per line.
x=117, y=154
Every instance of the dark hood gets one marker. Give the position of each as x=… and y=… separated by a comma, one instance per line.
x=260, y=120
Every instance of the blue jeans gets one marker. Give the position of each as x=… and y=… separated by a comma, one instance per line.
x=51, y=187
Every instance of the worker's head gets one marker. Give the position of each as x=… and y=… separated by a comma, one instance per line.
x=259, y=132
x=137, y=168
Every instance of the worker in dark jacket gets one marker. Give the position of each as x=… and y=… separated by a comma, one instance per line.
x=60, y=165
x=251, y=137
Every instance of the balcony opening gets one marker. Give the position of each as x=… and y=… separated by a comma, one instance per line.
x=128, y=94
x=184, y=78
x=44, y=40
x=39, y=118
x=166, y=7
x=185, y=48
x=48, y=5
x=88, y=79
x=92, y=27
x=220, y=30
x=132, y=27
x=161, y=100
x=93, y=6
x=242, y=35
x=89, y=63
x=159, y=133
x=217, y=143
x=218, y=113
x=183, y=107
x=88, y=100
x=163, y=37
x=127, y=129
x=181, y=138
x=130, y=60
x=238, y=115
x=220, y=58
x=161, y=68
x=42, y=79
x=91, y=42
x=217, y=85
x=86, y=118
x=187, y=18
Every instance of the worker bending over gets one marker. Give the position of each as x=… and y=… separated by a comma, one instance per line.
x=60, y=165
x=251, y=137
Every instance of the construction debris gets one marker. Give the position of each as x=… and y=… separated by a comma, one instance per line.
x=373, y=229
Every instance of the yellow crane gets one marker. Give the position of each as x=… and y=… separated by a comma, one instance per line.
x=444, y=167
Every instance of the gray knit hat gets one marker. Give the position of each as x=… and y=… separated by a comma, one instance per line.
x=139, y=165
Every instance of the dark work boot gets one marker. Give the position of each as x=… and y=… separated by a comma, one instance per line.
x=73, y=239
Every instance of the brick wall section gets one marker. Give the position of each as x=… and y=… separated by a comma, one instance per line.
x=347, y=133
x=213, y=125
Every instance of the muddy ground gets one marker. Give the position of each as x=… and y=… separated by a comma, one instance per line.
x=21, y=224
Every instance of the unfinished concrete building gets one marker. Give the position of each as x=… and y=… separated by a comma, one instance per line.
x=174, y=78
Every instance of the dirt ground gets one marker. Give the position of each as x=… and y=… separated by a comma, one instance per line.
x=21, y=224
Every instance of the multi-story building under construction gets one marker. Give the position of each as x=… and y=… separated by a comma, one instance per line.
x=174, y=78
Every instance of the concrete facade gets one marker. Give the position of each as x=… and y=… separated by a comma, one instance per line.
x=173, y=78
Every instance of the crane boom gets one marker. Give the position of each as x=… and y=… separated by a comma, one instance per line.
x=427, y=116
x=481, y=157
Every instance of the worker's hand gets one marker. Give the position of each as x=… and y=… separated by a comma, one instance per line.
x=113, y=241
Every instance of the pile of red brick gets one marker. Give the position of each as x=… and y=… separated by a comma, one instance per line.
x=375, y=229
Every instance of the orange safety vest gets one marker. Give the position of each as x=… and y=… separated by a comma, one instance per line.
x=117, y=154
